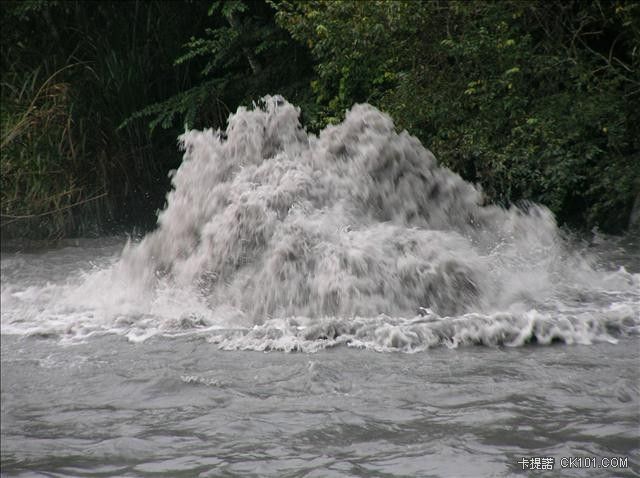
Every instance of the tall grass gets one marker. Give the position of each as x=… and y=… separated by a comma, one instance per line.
x=72, y=72
x=39, y=158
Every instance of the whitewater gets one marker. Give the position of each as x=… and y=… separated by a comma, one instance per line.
x=143, y=357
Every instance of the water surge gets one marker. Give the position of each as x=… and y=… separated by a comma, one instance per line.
x=276, y=239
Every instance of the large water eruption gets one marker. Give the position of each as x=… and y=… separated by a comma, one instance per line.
x=273, y=238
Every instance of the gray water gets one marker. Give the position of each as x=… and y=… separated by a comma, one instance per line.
x=337, y=305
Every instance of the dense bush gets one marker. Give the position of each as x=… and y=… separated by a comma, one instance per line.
x=534, y=100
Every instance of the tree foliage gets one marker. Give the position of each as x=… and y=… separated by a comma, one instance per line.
x=242, y=56
x=534, y=100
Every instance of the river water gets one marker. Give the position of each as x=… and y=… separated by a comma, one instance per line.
x=336, y=305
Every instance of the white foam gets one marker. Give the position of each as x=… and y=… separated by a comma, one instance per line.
x=353, y=233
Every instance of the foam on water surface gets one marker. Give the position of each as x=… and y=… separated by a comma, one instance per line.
x=275, y=239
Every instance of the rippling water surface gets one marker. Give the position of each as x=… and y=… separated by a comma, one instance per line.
x=182, y=407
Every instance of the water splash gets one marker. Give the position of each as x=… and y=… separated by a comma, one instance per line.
x=273, y=238
x=358, y=221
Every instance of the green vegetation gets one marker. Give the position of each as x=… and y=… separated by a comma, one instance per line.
x=72, y=71
x=534, y=100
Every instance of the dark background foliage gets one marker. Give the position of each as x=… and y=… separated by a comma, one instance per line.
x=534, y=100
